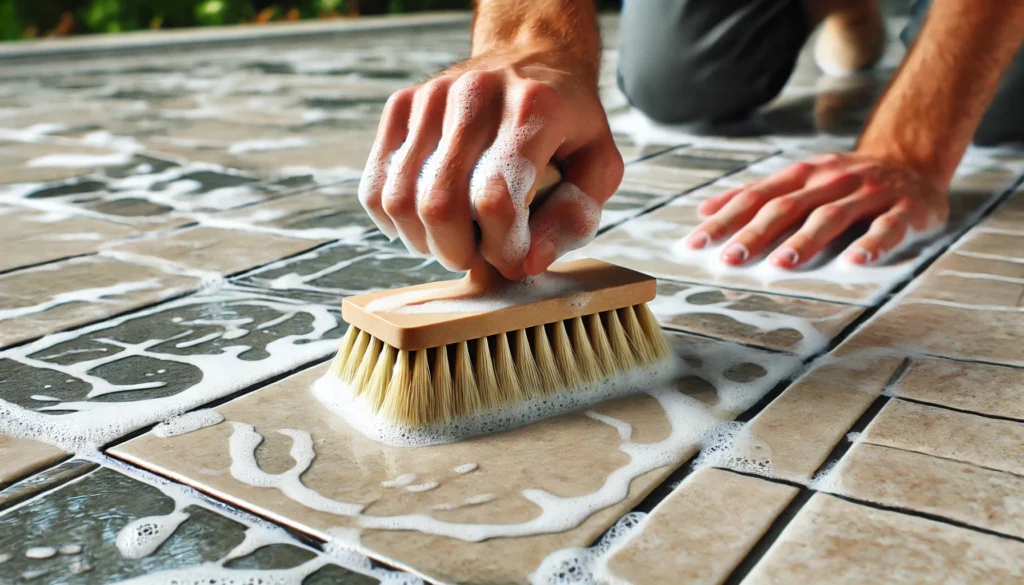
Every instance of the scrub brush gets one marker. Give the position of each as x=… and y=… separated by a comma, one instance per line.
x=466, y=357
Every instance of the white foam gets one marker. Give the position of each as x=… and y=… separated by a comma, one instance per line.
x=400, y=481
x=80, y=161
x=70, y=549
x=734, y=446
x=141, y=537
x=187, y=423
x=465, y=468
x=4, y=557
x=566, y=236
x=470, y=501
x=40, y=552
x=88, y=295
x=260, y=145
x=423, y=487
x=582, y=566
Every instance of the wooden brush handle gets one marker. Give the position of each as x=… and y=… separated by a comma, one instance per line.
x=483, y=276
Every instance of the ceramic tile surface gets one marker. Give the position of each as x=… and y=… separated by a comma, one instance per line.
x=847, y=543
x=982, y=388
x=942, y=487
x=20, y=457
x=349, y=468
x=985, y=442
x=701, y=531
x=74, y=292
x=32, y=237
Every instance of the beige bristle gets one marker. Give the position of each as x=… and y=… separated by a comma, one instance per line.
x=652, y=332
x=444, y=399
x=529, y=375
x=371, y=353
x=486, y=380
x=619, y=342
x=586, y=360
x=356, y=355
x=409, y=394
x=380, y=379
x=467, y=396
x=599, y=341
x=635, y=333
x=509, y=388
x=344, y=355
x=564, y=357
x=550, y=378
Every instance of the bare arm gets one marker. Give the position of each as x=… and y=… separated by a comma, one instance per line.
x=900, y=172
x=468, y=145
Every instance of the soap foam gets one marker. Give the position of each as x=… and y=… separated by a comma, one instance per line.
x=554, y=227
x=40, y=552
x=734, y=446
x=465, y=468
x=400, y=481
x=141, y=537
x=187, y=423
x=582, y=566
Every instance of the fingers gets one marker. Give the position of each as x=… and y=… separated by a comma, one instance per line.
x=712, y=205
x=391, y=133
x=443, y=202
x=743, y=206
x=504, y=180
x=826, y=223
x=781, y=213
x=886, y=232
x=571, y=216
x=399, y=195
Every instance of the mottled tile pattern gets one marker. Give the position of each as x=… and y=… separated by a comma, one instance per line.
x=229, y=174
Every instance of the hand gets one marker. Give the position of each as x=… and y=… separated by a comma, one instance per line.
x=832, y=192
x=468, y=146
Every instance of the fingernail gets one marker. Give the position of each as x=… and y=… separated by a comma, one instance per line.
x=859, y=256
x=735, y=254
x=697, y=240
x=786, y=257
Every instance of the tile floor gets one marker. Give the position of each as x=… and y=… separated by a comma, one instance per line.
x=180, y=228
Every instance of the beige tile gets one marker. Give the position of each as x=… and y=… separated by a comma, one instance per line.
x=799, y=428
x=31, y=237
x=701, y=531
x=981, y=388
x=335, y=213
x=841, y=543
x=32, y=162
x=959, y=491
x=214, y=249
x=800, y=326
x=1009, y=215
x=62, y=295
x=986, y=442
x=20, y=457
x=568, y=456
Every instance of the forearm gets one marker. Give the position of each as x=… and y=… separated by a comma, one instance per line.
x=567, y=28
x=936, y=100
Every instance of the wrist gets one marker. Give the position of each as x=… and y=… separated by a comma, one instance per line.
x=930, y=162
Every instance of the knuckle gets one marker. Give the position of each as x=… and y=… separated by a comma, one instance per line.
x=399, y=100
x=828, y=213
x=398, y=203
x=437, y=207
x=537, y=98
x=801, y=168
x=495, y=206
x=889, y=222
x=781, y=207
x=752, y=197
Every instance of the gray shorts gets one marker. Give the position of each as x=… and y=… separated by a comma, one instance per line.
x=686, y=61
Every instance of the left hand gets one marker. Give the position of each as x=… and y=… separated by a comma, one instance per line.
x=832, y=192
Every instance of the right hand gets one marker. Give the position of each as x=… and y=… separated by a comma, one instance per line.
x=511, y=113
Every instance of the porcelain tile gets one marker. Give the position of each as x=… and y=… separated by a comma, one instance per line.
x=31, y=237
x=846, y=543
x=82, y=521
x=701, y=531
x=800, y=326
x=823, y=404
x=985, y=442
x=61, y=295
x=20, y=456
x=216, y=250
x=906, y=480
x=350, y=468
x=30, y=162
x=981, y=388
x=43, y=481
x=632, y=151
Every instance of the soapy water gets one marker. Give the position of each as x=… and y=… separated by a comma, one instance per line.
x=187, y=423
x=141, y=537
x=510, y=294
x=587, y=566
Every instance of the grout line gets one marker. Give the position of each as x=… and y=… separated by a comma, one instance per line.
x=926, y=516
x=768, y=539
x=13, y=269
x=960, y=410
x=967, y=361
x=950, y=459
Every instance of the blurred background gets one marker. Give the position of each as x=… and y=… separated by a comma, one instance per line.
x=27, y=19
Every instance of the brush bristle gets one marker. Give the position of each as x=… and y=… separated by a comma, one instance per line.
x=423, y=387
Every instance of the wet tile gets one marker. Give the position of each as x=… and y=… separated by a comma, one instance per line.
x=1008, y=216
x=83, y=520
x=28, y=162
x=708, y=162
x=985, y=442
x=330, y=213
x=906, y=480
x=61, y=295
x=627, y=203
x=981, y=388
x=87, y=387
x=850, y=544
x=631, y=150
x=32, y=237
x=44, y=480
x=20, y=457
x=348, y=468
x=344, y=270
x=823, y=404
x=648, y=177
x=701, y=531
x=800, y=326
x=209, y=249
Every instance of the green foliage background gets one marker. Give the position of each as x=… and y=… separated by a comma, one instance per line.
x=32, y=18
